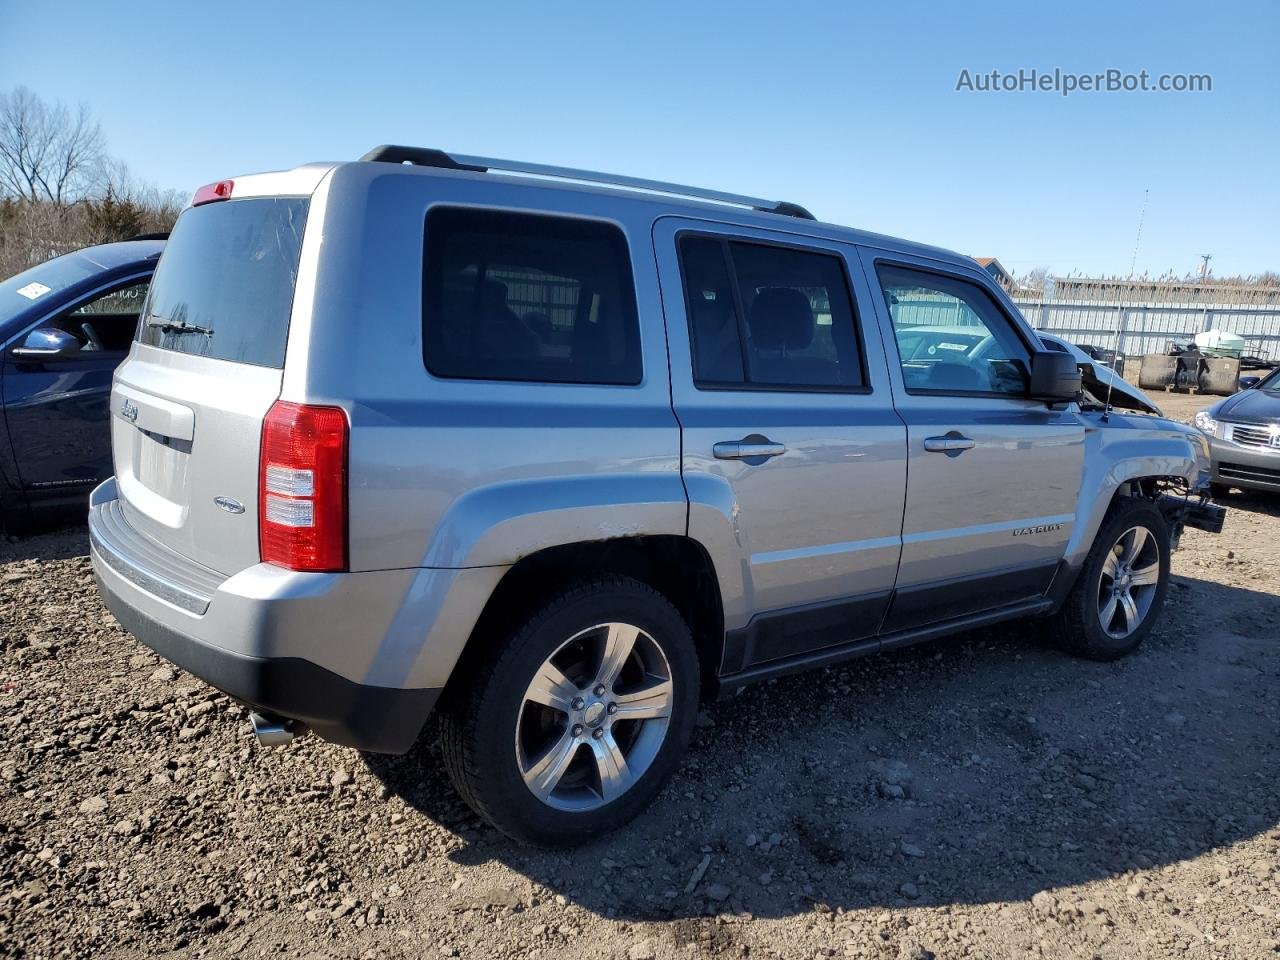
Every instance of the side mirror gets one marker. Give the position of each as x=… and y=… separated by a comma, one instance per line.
x=1248, y=383
x=47, y=343
x=1055, y=377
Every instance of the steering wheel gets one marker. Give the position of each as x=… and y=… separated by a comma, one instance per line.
x=91, y=335
x=983, y=348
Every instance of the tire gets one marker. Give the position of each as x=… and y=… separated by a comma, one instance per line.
x=14, y=520
x=549, y=776
x=1079, y=627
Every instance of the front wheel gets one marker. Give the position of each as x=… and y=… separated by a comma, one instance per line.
x=1121, y=589
x=573, y=726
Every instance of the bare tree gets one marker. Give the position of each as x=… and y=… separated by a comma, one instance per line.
x=1033, y=281
x=118, y=180
x=60, y=190
x=48, y=152
x=124, y=207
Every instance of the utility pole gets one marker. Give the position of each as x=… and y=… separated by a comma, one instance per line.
x=1204, y=267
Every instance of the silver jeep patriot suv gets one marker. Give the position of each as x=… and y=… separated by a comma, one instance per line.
x=556, y=454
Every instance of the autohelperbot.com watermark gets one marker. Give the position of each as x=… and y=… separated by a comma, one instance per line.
x=1065, y=83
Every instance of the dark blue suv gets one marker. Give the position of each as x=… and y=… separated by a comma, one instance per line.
x=64, y=327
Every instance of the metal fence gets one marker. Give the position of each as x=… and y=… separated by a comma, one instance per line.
x=1138, y=328
x=931, y=310
x=1128, y=327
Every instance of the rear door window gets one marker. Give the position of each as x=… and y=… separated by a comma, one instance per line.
x=768, y=317
x=514, y=296
x=224, y=287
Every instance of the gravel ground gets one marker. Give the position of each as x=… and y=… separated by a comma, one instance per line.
x=977, y=797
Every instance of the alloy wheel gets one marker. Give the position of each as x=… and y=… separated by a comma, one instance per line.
x=1129, y=579
x=594, y=717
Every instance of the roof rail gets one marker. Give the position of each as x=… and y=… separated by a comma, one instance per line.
x=430, y=157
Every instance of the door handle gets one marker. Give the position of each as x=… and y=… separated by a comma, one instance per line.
x=952, y=443
x=749, y=448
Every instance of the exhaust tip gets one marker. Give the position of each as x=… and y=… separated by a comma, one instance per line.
x=273, y=731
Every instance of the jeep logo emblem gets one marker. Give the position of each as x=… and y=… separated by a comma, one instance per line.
x=229, y=504
x=129, y=410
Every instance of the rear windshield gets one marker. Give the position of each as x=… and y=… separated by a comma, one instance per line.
x=224, y=287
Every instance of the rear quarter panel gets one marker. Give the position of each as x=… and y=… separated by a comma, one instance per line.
x=465, y=473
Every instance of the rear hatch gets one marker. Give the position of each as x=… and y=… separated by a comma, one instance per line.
x=188, y=405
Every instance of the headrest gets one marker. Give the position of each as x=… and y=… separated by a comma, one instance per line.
x=781, y=319
x=710, y=315
x=493, y=293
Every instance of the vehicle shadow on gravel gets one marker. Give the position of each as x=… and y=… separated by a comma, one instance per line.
x=1264, y=504
x=981, y=769
x=49, y=542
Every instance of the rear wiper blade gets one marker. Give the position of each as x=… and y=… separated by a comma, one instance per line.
x=177, y=326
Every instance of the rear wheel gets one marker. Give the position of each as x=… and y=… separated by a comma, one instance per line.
x=1121, y=588
x=571, y=729
x=14, y=519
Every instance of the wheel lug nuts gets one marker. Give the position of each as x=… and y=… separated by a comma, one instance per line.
x=598, y=732
x=577, y=730
x=613, y=708
x=599, y=691
x=578, y=703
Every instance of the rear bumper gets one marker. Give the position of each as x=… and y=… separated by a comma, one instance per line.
x=299, y=645
x=378, y=719
x=1251, y=468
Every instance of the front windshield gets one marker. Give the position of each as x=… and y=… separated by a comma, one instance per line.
x=1271, y=381
x=42, y=282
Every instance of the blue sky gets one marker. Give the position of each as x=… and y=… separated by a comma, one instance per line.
x=849, y=109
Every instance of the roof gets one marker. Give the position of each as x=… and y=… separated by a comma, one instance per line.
x=668, y=205
x=305, y=179
x=431, y=157
x=108, y=256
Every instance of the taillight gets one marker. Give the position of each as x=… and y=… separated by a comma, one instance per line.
x=302, y=487
x=213, y=191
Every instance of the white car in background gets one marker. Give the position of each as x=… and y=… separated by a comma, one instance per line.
x=1100, y=381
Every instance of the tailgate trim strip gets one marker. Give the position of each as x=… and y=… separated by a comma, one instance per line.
x=186, y=585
